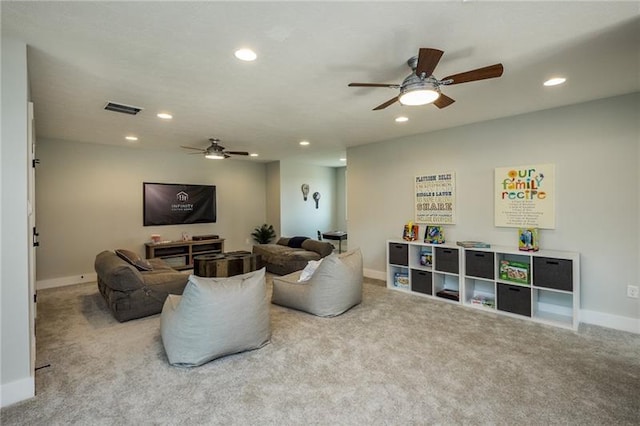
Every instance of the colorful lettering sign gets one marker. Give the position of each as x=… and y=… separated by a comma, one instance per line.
x=525, y=196
x=435, y=198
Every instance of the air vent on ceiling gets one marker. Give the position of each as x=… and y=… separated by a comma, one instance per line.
x=125, y=109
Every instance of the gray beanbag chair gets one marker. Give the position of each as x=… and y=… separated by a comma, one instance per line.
x=215, y=317
x=334, y=287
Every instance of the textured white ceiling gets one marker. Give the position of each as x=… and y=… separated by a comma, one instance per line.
x=178, y=57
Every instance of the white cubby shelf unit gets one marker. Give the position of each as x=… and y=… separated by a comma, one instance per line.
x=542, y=286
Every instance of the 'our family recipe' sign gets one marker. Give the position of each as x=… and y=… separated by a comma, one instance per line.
x=435, y=198
x=525, y=196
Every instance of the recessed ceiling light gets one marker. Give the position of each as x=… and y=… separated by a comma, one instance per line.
x=402, y=119
x=343, y=159
x=304, y=143
x=253, y=154
x=555, y=81
x=246, y=55
x=165, y=116
x=131, y=138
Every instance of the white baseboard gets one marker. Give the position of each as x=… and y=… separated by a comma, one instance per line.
x=64, y=281
x=617, y=322
x=376, y=275
x=17, y=391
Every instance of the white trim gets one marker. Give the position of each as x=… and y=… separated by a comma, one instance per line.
x=617, y=322
x=64, y=281
x=17, y=391
x=376, y=275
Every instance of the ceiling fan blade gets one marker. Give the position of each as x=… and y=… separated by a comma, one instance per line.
x=386, y=104
x=443, y=101
x=190, y=147
x=237, y=152
x=492, y=71
x=392, y=86
x=427, y=61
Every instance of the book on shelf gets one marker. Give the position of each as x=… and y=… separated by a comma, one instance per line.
x=410, y=232
x=528, y=239
x=426, y=257
x=517, y=272
x=473, y=244
x=449, y=294
x=401, y=280
x=434, y=235
x=486, y=301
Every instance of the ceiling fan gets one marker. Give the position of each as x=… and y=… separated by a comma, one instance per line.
x=421, y=87
x=215, y=151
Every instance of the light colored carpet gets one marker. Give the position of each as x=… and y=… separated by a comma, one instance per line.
x=395, y=359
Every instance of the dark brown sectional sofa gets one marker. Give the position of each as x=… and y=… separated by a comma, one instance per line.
x=133, y=293
x=291, y=254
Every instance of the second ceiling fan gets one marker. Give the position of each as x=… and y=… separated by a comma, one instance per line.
x=215, y=150
x=421, y=87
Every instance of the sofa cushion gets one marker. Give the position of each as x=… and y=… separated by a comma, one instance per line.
x=283, y=241
x=216, y=317
x=296, y=242
x=323, y=248
x=134, y=259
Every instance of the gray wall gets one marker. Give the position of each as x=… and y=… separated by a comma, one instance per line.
x=595, y=149
x=299, y=217
x=15, y=371
x=340, y=214
x=89, y=199
x=273, y=195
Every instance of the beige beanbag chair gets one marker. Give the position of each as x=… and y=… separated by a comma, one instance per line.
x=215, y=317
x=334, y=287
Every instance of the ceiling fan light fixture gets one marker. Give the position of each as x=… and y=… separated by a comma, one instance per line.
x=214, y=156
x=420, y=96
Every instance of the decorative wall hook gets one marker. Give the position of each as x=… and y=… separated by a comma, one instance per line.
x=305, y=191
x=316, y=197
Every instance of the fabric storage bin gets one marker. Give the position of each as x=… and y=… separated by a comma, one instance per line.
x=421, y=281
x=515, y=299
x=399, y=254
x=446, y=259
x=553, y=273
x=479, y=264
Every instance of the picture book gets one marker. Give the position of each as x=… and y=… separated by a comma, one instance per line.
x=516, y=272
x=528, y=239
x=401, y=280
x=426, y=257
x=410, y=232
x=434, y=235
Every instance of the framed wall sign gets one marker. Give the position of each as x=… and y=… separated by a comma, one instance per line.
x=525, y=196
x=435, y=198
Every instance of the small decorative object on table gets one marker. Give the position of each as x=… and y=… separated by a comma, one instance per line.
x=186, y=236
x=410, y=232
x=434, y=235
x=528, y=239
x=156, y=238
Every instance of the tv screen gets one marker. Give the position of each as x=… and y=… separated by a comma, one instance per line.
x=176, y=204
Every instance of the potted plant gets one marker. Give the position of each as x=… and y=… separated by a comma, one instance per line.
x=263, y=234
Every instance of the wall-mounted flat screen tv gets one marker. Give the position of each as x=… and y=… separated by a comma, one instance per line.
x=177, y=204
